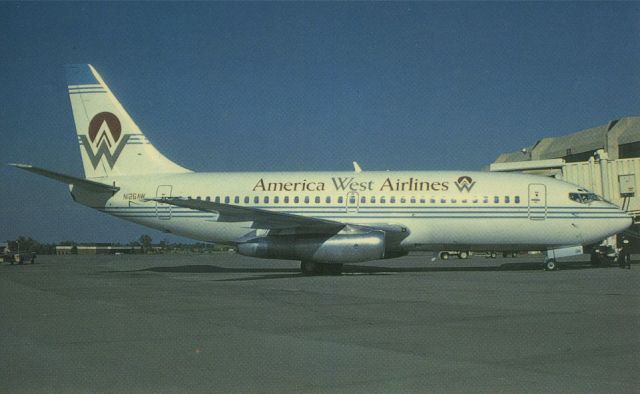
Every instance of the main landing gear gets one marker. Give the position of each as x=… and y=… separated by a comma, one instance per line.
x=313, y=268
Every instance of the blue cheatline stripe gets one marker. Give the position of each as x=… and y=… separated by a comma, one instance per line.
x=88, y=92
x=198, y=214
x=411, y=208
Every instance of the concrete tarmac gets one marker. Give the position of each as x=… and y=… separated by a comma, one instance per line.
x=226, y=323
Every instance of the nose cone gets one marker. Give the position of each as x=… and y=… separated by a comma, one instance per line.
x=620, y=221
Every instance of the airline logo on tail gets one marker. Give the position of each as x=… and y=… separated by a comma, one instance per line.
x=105, y=139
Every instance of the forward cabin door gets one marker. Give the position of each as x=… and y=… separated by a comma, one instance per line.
x=163, y=211
x=537, y=201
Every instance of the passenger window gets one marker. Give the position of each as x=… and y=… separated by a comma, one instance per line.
x=226, y=200
x=507, y=199
x=403, y=200
x=217, y=199
x=382, y=200
x=340, y=200
x=286, y=199
x=464, y=201
x=208, y=198
x=423, y=200
x=296, y=200
x=198, y=198
x=276, y=199
x=266, y=199
x=317, y=200
x=327, y=200
x=246, y=200
x=306, y=199
x=363, y=200
x=236, y=200
x=432, y=200
x=453, y=200
x=256, y=200
x=475, y=200
x=517, y=199
x=392, y=200
x=496, y=199
x=373, y=199
x=485, y=200
x=443, y=200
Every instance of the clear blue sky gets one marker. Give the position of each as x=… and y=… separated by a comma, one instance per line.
x=304, y=86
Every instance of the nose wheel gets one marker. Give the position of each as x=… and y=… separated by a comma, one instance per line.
x=550, y=265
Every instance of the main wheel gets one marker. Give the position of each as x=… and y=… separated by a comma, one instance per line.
x=493, y=255
x=464, y=255
x=550, y=265
x=332, y=269
x=309, y=268
x=313, y=268
x=444, y=256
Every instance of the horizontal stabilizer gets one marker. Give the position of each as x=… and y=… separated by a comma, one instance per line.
x=68, y=179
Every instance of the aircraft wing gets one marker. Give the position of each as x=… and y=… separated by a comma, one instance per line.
x=261, y=218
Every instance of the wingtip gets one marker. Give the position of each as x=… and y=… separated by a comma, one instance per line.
x=20, y=165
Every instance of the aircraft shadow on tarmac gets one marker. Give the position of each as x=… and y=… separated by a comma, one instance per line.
x=278, y=273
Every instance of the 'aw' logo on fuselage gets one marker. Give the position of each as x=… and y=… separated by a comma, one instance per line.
x=105, y=139
x=465, y=183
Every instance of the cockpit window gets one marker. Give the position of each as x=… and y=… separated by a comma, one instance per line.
x=584, y=197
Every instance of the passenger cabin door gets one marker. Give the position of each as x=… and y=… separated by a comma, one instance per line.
x=353, y=203
x=537, y=201
x=163, y=211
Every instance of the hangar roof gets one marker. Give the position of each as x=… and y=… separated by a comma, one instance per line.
x=614, y=133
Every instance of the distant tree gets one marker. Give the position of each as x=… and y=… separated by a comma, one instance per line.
x=145, y=242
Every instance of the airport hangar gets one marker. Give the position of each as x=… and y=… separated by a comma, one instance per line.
x=603, y=159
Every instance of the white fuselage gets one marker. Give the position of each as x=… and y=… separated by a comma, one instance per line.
x=440, y=210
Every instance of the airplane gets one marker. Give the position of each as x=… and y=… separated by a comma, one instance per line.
x=322, y=219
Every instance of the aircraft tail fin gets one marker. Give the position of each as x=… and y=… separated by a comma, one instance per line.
x=111, y=144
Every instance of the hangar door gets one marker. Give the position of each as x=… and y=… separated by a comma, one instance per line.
x=537, y=201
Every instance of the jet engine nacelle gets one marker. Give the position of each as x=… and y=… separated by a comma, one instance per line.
x=339, y=248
